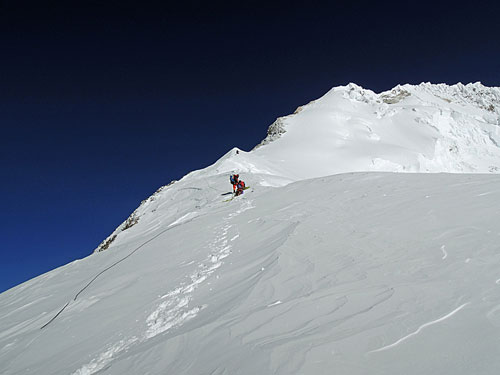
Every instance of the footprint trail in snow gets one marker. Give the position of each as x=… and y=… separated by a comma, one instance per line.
x=175, y=309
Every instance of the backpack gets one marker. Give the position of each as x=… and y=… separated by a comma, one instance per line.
x=231, y=179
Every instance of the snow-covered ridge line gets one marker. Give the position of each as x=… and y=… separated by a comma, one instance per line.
x=132, y=220
x=410, y=128
x=472, y=93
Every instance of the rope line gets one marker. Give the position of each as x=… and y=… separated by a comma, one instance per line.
x=55, y=316
x=114, y=264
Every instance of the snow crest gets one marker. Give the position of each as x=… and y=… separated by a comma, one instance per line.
x=411, y=128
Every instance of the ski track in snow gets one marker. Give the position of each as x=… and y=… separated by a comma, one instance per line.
x=174, y=311
x=419, y=329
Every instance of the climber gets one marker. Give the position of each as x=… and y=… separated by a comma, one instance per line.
x=234, y=179
x=241, y=187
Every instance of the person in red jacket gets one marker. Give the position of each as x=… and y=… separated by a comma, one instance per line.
x=240, y=188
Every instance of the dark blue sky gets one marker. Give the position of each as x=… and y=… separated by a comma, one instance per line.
x=102, y=102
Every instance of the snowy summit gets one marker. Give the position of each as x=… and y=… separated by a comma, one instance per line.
x=329, y=263
x=424, y=128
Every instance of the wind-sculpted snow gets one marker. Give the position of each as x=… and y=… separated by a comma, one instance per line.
x=357, y=273
x=354, y=273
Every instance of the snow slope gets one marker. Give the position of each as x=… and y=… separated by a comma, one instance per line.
x=354, y=273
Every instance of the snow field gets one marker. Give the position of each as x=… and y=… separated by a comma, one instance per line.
x=378, y=272
x=353, y=273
